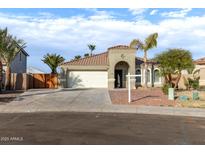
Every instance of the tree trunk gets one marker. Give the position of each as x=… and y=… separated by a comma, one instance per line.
x=166, y=79
x=8, y=77
x=177, y=81
x=170, y=79
x=145, y=64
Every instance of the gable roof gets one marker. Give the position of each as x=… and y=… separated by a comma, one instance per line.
x=98, y=59
x=200, y=61
x=119, y=47
x=23, y=50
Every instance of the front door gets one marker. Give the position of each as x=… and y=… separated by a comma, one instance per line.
x=118, y=78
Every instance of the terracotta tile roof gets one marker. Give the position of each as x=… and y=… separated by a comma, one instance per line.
x=119, y=47
x=142, y=59
x=98, y=59
x=139, y=58
x=200, y=61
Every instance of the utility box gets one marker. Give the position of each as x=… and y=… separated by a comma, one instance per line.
x=171, y=94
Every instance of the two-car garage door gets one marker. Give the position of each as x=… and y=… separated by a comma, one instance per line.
x=87, y=79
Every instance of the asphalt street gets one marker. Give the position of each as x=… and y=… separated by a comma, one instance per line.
x=99, y=128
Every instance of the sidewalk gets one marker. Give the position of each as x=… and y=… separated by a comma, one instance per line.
x=174, y=111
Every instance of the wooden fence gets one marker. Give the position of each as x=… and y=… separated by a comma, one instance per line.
x=43, y=81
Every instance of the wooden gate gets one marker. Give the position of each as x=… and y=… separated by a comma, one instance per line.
x=44, y=81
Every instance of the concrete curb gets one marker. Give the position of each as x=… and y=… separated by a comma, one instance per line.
x=173, y=111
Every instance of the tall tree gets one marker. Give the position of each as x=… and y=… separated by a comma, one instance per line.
x=91, y=48
x=53, y=61
x=149, y=43
x=173, y=61
x=10, y=46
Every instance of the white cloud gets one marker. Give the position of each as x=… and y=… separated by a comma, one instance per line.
x=177, y=14
x=99, y=15
x=137, y=11
x=70, y=36
x=153, y=12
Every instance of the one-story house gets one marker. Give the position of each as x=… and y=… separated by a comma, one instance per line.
x=200, y=65
x=109, y=70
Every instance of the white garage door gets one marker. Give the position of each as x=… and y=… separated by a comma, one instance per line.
x=87, y=79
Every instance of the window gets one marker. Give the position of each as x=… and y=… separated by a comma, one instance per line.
x=156, y=76
x=20, y=56
x=138, y=78
x=148, y=75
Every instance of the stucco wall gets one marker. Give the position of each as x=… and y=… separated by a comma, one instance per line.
x=202, y=74
x=117, y=55
x=151, y=68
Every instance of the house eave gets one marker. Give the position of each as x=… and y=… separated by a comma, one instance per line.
x=85, y=68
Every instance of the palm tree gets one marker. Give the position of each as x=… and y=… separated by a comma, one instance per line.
x=150, y=42
x=86, y=55
x=53, y=61
x=10, y=46
x=92, y=48
x=77, y=57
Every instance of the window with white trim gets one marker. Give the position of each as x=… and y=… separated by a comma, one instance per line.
x=148, y=75
x=156, y=75
x=138, y=78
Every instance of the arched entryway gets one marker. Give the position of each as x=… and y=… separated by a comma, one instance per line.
x=121, y=70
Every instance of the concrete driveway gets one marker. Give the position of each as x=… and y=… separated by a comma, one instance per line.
x=59, y=100
x=84, y=100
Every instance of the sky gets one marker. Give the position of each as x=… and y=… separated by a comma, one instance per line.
x=68, y=31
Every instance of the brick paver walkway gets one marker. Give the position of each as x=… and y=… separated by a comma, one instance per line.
x=150, y=96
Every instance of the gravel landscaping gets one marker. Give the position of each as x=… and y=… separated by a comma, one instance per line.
x=140, y=96
x=190, y=102
x=155, y=97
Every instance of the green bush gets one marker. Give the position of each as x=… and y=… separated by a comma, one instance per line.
x=165, y=88
x=194, y=83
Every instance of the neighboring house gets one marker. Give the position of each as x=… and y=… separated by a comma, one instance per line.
x=109, y=70
x=200, y=65
x=19, y=64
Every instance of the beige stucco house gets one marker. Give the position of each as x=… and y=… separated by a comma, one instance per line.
x=200, y=65
x=109, y=70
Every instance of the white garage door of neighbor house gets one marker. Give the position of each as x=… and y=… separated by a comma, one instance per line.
x=88, y=79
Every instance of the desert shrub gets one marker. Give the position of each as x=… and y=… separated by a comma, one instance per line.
x=193, y=83
x=165, y=88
